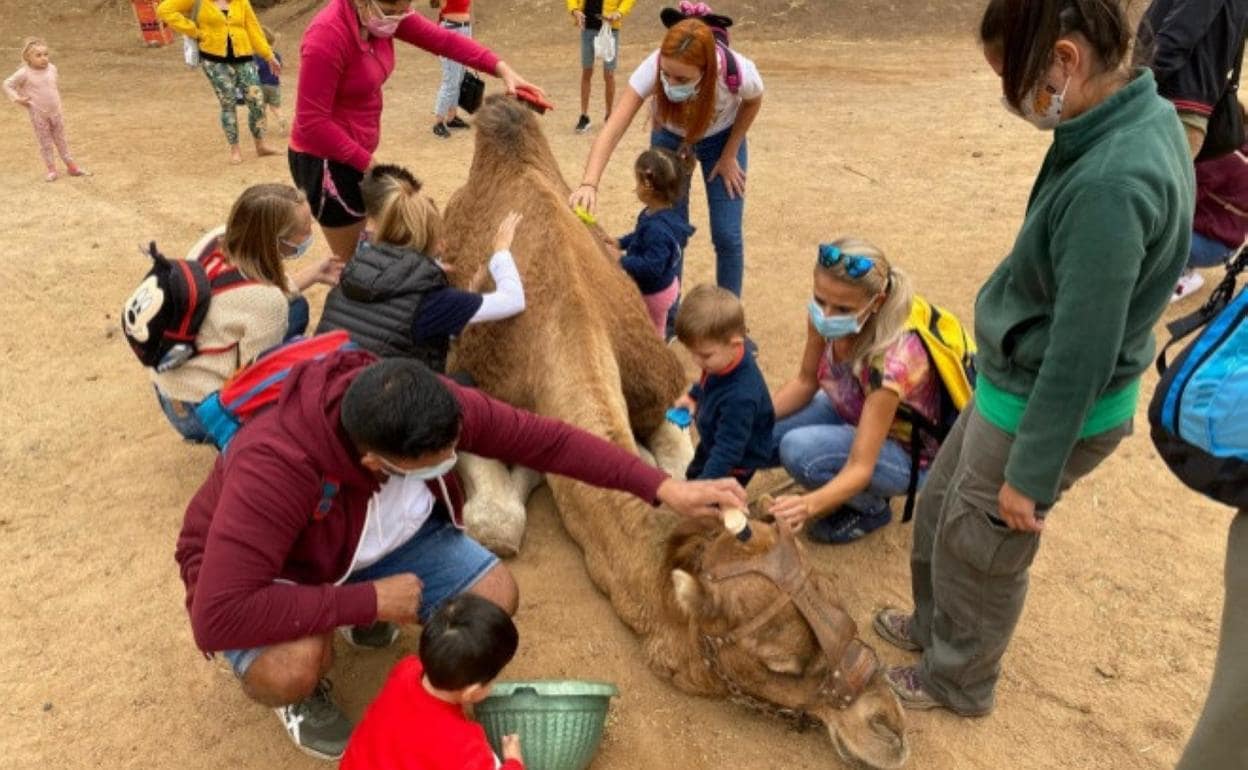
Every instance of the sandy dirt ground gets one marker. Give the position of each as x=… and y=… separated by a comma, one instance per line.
x=900, y=140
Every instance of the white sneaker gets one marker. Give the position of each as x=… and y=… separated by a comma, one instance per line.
x=1189, y=283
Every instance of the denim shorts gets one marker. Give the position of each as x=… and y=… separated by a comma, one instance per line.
x=445, y=559
x=587, y=49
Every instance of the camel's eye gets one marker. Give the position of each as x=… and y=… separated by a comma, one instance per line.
x=787, y=666
x=777, y=659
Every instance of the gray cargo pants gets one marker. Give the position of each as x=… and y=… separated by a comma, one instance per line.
x=968, y=571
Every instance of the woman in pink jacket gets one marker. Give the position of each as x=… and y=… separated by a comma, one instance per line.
x=346, y=55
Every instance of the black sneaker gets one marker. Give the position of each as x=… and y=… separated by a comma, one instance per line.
x=316, y=724
x=440, y=130
x=582, y=125
x=456, y=122
x=378, y=636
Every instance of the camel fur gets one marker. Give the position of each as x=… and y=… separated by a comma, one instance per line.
x=584, y=351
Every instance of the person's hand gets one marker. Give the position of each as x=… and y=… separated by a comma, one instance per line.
x=512, y=80
x=585, y=196
x=793, y=510
x=328, y=271
x=507, y=231
x=22, y=101
x=687, y=403
x=613, y=16
x=730, y=170
x=609, y=239
x=511, y=748
x=705, y=497
x=275, y=67
x=578, y=18
x=1018, y=511
x=398, y=597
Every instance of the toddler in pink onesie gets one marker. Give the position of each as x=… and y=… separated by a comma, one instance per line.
x=33, y=87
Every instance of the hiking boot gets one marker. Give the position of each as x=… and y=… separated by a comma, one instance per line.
x=582, y=125
x=847, y=525
x=440, y=130
x=893, y=626
x=378, y=636
x=456, y=122
x=316, y=724
x=905, y=682
x=1189, y=283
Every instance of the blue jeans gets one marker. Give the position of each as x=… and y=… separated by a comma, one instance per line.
x=181, y=415
x=452, y=75
x=446, y=560
x=813, y=445
x=297, y=315
x=1207, y=252
x=726, y=213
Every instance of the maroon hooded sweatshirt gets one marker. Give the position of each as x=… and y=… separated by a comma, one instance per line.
x=273, y=531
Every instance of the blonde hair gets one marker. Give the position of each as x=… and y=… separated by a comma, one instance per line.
x=263, y=216
x=885, y=326
x=29, y=43
x=709, y=313
x=401, y=215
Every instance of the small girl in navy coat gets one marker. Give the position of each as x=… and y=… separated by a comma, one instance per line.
x=654, y=249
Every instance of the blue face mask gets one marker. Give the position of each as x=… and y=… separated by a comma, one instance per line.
x=681, y=92
x=300, y=248
x=833, y=327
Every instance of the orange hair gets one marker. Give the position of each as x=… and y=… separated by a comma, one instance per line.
x=690, y=42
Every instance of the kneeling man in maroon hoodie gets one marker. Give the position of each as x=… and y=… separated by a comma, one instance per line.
x=337, y=508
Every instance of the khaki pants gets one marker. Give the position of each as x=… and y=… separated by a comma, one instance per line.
x=1220, y=739
x=969, y=571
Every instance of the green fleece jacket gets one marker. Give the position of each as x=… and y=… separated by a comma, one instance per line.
x=1065, y=324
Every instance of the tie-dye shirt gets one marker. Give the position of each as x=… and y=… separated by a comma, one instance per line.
x=905, y=369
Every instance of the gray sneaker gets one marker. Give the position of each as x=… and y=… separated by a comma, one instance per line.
x=316, y=724
x=378, y=636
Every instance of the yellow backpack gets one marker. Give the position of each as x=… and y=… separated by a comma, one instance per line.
x=952, y=352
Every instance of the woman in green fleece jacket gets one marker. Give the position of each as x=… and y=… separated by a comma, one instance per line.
x=1064, y=328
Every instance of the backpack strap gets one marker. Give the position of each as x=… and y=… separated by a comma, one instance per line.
x=1218, y=299
x=730, y=68
x=197, y=289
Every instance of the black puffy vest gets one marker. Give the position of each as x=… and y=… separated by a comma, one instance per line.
x=377, y=299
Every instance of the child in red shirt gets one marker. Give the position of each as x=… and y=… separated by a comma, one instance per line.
x=418, y=721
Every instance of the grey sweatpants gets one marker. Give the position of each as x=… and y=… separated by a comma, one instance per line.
x=1220, y=739
x=968, y=572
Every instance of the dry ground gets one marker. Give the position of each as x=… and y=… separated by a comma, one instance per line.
x=901, y=141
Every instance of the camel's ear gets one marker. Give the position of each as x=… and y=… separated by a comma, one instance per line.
x=689, y=595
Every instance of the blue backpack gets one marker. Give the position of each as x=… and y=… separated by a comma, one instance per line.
x=1199, y=412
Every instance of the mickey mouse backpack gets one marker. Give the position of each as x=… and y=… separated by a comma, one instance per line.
x=162, y=316
x=1199, y=412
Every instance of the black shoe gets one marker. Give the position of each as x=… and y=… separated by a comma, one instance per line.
x=582, y=125
x=456, y=122
x=440, y=130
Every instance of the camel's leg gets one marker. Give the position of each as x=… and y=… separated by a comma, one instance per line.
x=494, y=513
x=672, y=449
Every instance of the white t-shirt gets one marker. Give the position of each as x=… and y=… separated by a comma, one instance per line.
x=396, y=512
x=646, y=78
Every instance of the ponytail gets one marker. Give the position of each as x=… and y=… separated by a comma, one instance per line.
x=886, y=325
x=401, y=215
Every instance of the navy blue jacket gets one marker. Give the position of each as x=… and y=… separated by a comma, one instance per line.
x=735, y=422
x=654, y=248
x=1195, y=48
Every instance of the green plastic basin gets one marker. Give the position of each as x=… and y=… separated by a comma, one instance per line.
x=559, y=721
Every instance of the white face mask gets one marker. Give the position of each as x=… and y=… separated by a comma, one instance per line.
x=428, y=473
x=300, y=248
x=1041, y=105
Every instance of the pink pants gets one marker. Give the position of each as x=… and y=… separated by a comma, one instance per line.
x=659, y=303
x=50, y=131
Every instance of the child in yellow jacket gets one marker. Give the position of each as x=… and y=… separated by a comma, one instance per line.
x=228, y=34
x=589, y=16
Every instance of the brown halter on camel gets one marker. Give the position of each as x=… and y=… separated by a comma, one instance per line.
x=851, y=663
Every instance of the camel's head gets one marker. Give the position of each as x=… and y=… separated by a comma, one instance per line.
x=767, y=627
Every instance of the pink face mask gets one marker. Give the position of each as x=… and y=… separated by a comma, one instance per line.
x=383, y=25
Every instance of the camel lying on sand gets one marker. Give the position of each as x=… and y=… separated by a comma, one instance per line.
x=717, y=616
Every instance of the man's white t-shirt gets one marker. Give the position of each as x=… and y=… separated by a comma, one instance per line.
x=396, y=512
x=646, y=78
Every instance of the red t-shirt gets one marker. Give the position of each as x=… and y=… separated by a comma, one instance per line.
x=406, y=728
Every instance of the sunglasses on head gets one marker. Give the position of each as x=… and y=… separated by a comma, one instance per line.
x=856, y=266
